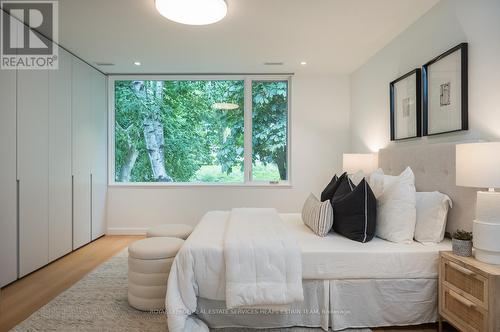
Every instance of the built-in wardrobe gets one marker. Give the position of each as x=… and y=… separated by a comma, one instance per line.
x=53, y=169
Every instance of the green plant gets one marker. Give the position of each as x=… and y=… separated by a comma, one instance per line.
x=463, y=235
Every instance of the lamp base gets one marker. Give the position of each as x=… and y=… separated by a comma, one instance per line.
x=486, y=227
x=485, y=256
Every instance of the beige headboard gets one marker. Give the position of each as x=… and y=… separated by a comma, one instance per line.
x=434, y=169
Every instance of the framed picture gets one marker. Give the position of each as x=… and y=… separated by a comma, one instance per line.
x=445, y=92
x=405, y=94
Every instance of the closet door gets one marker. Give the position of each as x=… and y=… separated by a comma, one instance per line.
x=8, y=186
x=32, y=168
x=99, y=157
x=60, y=181
x=81, y=151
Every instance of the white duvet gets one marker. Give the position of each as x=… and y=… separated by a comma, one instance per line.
x=259, y=265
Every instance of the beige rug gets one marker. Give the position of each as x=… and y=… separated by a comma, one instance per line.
x=98, y=302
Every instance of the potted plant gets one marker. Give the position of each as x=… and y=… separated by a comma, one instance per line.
x=462, y=243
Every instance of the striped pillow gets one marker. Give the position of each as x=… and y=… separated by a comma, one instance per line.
x=318, y=216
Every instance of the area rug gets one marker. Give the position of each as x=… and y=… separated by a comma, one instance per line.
x=98, y=302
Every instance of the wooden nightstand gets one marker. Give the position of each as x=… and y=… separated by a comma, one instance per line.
x=469, y=293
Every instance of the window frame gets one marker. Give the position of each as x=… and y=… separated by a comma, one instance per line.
x=247, y=148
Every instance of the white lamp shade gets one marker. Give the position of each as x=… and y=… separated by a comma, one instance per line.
x=354, y=162
x=478, y=165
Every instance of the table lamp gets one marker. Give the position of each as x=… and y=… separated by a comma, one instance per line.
x=354, y=162
x=478, y=165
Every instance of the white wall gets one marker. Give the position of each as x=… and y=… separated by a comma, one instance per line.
x=444, y=26
x=320, y=134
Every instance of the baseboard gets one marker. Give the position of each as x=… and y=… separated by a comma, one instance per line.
x=126, y=231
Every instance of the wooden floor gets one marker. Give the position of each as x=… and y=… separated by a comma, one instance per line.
x=419, y=328
x=23, y=297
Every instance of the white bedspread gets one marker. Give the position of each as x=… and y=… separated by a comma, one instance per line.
x=199, y=269
x=336, y=257
x=263, y=260
x=251, y=249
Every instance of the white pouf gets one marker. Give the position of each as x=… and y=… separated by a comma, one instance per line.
x=180, y=231
x=149, y=264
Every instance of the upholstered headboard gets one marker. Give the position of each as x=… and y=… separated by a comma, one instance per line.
x=434, y=169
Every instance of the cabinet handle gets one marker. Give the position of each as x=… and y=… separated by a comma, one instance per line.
x=91, y=204
x=18, y=228
x=460, y=299
x=461, y=269
x=72, y=212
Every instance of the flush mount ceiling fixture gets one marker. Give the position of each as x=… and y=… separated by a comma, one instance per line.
x=192, y=12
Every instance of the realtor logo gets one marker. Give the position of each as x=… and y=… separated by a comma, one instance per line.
x=29, y=34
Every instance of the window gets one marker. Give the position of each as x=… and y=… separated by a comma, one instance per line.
x=231, y=130
x=269, y=130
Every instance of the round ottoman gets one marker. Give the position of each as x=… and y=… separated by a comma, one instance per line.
x=180, y=231
x=149, y=263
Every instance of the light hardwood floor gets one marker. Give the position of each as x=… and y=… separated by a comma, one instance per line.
x=23, y=297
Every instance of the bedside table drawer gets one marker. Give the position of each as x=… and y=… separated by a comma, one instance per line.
x=468, y=283
x=465, y=313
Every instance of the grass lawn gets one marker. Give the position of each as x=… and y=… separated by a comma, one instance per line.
x=213, y=173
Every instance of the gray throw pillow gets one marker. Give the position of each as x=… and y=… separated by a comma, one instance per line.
x=318, y=216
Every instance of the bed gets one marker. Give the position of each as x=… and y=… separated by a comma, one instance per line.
x=345, y=284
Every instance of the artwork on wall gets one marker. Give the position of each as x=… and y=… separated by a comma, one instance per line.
x=445, y=92
x=405, y=95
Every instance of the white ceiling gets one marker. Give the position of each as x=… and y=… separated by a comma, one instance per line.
x=333, y=36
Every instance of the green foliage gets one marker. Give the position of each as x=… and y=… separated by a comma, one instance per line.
x=212, y=173
x=463, y=235
x=269, y=123
x=129, y=115
x=268, y=172
x=198, y=136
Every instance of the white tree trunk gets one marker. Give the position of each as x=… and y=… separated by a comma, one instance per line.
x=153, y=136
x=128, y=165
x=153, y=128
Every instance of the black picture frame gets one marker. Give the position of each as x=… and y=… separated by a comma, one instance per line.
x=464, y=98
x=418, y=101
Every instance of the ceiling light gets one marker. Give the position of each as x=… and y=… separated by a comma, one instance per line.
x=192, y=12
x=225, y=106
x=303, y=63
x=137, y=63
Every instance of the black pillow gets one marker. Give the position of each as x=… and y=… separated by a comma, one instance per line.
x=343, y=186
x=335, y=184
x=354, y=212
x=327, y=193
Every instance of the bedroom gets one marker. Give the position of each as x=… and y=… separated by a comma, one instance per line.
x=141, y=121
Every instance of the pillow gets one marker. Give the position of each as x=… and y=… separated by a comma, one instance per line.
x=432, y=212
x=376, y=182
x=357, y=177
x=342, y=187
x=354, y=211
x=330, y=189
x=318, y=216
x=396, y=211
x=327, y=193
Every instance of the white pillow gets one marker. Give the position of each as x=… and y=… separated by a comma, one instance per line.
x=432, y=212
x=318, y=216
x=376, y=182
x=396, y=211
